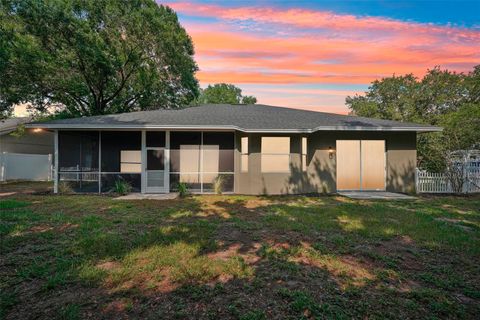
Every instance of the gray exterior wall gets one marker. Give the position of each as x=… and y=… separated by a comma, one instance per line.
x=31, y=143
x=320, y=176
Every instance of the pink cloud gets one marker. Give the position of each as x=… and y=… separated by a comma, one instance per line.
x=271, y=45
x=317, y=19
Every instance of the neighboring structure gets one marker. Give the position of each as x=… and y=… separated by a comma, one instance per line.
x=30, y=142
x=26, y=155
x=253, y=149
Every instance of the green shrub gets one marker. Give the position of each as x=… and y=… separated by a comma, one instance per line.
x=122, y=187
x=218, y=184
x=182, y=189
x=65, y=187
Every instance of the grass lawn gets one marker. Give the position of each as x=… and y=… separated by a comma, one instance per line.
x=239, y=257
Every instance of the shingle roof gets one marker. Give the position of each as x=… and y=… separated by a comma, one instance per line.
x=248, y=118
x=11, y=124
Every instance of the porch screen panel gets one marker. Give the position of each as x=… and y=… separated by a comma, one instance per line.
x=218, y=160
x=200, y=165
x=78, y=160
x=121, y=159
x=121, y=147
x=155, y=139
x=109, y=179
x=185, y=159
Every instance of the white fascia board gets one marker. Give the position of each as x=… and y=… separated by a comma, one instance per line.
x=225, y=128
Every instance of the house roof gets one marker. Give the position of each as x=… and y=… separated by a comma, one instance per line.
x=247, y=118
x=11, y=124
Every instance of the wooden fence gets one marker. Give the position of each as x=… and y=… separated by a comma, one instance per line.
x=429, y=182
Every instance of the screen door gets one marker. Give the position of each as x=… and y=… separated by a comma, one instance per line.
x=155, y=170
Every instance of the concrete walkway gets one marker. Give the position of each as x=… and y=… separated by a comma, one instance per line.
x=375, y=195
x=151, y=196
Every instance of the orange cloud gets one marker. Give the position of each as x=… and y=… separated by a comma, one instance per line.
x=278, y=46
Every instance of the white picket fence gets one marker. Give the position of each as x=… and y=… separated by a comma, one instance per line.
x=22, y=166
x=429, y=182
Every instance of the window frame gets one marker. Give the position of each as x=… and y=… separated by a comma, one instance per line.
x=274, y=154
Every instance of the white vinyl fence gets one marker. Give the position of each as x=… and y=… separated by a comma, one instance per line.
x=428, y=182
x=20, y=166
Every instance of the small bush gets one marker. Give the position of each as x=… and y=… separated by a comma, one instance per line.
x=182, y=189
x=122, y=187
x=65, y=187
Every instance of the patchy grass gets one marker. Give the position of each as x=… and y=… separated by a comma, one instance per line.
x=239, y=257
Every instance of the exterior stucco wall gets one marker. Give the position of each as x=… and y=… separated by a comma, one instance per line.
x=320, y=176
x=31, y=143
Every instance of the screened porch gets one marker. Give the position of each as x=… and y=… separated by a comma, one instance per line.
x=150, y=161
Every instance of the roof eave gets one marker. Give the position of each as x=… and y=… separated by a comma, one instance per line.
x=227, y=127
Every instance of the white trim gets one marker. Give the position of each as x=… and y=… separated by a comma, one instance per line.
x=201, y=162
x=167, y=162
x=228, y=128
x=99, y=161
x=143, y=184
x=55, y=173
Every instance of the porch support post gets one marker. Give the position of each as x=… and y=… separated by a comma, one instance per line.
x=144, y=162
x=55, y=169
x=167, y=162
x=99, y=161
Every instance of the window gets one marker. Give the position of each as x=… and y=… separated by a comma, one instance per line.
x=304, y=154
x=275, y=154
x=244, y=155
x=130, y=161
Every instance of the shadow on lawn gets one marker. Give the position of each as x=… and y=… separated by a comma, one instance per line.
x=250, y=258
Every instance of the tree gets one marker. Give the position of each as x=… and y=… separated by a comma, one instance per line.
x=94, y=56
x=224, y=93
x=441, y=97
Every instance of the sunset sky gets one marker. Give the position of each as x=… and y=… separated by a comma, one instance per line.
x=312, y=54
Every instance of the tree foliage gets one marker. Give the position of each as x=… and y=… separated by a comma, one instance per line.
x=224, y=93
x=442, y=97
x=94, y=56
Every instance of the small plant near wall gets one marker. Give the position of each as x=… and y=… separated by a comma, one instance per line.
x=182, y=189
x=218, y=184
x=122, y=187
x=64, y=187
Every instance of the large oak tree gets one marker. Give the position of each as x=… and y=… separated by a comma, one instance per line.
x=94, y=56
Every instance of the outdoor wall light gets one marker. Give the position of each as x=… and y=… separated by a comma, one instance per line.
x=330, y=152
x=37, y=130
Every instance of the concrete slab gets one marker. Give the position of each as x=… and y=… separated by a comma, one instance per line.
x=149, y=196
x=375, y=195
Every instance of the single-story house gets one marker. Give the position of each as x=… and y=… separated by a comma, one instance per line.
x=253, y=149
